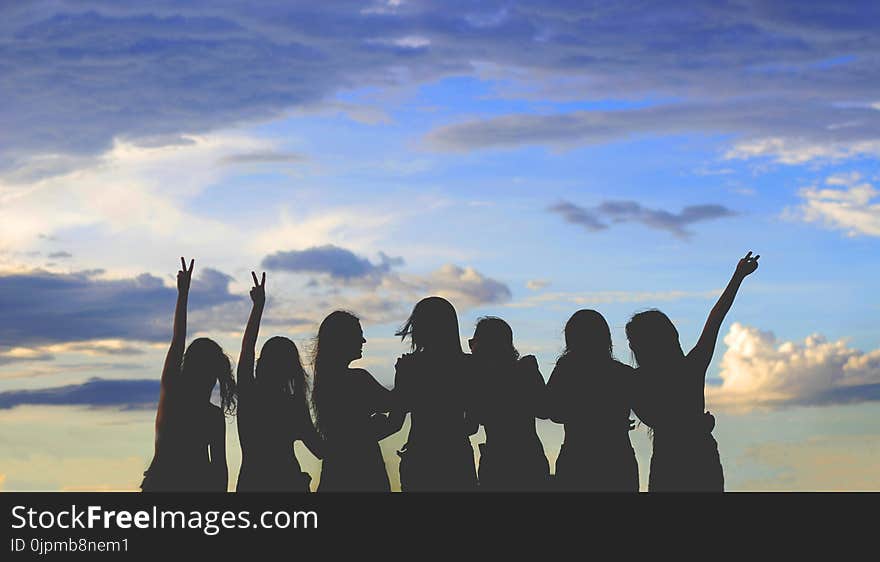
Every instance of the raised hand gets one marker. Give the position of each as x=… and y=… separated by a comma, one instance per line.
x=184, y=276
x=747, y=265
x=258, y=291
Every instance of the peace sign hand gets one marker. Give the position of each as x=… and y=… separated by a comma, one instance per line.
x=747, y=265
x=184, y=276
x=258, y=291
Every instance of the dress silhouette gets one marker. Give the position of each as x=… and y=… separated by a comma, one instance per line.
x=190, y=445
x=432, y=384
x=510, y=394
x=591, y=393
x=272, y=409
x=346, y=401
x=670, y=397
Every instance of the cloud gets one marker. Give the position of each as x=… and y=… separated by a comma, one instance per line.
x=759, y=370
x=60, y=255
x=334, y=261
x=794, y=151
x=17, y=354
x=125, y=394
x=264, y=157
x=537, y=284
x=853, y=208
x=379, y=291
x=87, y=74
x=390, y=298
x=465, y=286
x=93, y=348
x=598, y=218
x=41, y=308
x=809, y=130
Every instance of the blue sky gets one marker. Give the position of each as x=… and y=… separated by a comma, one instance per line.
x=523, y=159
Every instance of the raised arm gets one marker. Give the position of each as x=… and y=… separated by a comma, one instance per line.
x=246, y=358
x=178, y=340
x=705, y=348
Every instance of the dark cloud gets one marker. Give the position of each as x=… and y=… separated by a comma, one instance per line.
x=41, y=308
x=60, y=255
x=795, y=124
x=842, y=395
x=78, y=75
x=607, y=213
x=334, y=261
x=126, y=394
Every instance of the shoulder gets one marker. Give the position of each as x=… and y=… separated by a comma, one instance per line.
x=563, y=364
x=527, y=363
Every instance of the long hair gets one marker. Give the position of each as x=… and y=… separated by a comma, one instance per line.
x=205, y=364
x=495, y=338
x=433, y=325
x=653, y=339
x=336, y=334
x=279, y=368
x=587, y=335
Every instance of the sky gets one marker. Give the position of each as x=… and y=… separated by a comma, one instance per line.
x=523, y=159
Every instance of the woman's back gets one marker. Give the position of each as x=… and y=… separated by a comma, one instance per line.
x=181, y=460
x=268, y=423
x=670, y=398
x=347, y=402
x=510, y=396
x=438, y=454
x=352, y=458
x=592, y=398
x=432, y=388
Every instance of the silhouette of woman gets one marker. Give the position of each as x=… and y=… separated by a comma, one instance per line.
x=591, y=393
x=670, y=394
x=509, y=396
x=345, y=401
x=190, y=446
x=272, y=409
x=431, y=384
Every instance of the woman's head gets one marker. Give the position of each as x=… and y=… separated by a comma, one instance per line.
x=587, y=334
x=493, y=339
x=205, y=364
x=433, y=325
x=279, y=367
x=340, y=339
x=653, y=339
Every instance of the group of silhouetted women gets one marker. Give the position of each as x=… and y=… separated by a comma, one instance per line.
x=448, y=394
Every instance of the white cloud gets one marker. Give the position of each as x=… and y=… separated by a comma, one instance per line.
x=130, y=187
x=759, y=370
x=850, y=206
x=798, y=151
x=537, y=284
